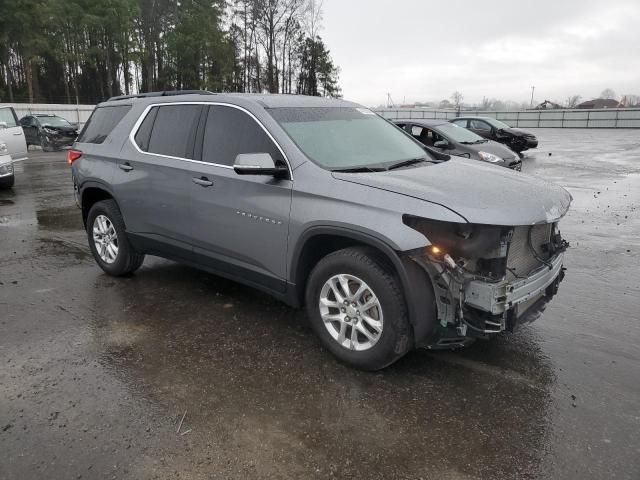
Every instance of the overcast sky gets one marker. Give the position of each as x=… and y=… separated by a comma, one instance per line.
x=420, y=50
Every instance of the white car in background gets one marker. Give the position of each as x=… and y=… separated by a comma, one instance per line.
x=11, y=134
x=6, y=167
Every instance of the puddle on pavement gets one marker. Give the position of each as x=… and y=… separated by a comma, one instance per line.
x=67, y=218
x=63, y=250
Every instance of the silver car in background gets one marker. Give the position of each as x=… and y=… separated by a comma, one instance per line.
x=6, y=167
x=11, y=134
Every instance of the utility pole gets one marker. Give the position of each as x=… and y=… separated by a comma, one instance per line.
x=533, y=89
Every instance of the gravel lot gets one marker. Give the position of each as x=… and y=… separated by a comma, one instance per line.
x=96, y=372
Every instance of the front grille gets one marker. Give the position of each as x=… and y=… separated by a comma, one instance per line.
x=521, y=260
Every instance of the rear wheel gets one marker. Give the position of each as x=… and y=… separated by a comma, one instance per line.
x=356, y=307
x=108, y=240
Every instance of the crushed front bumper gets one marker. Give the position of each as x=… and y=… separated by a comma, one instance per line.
x=497, y=298
x=471, y=307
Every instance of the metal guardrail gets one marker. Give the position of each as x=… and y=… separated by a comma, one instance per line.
x=578, y=118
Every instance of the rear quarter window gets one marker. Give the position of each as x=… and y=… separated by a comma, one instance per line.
x=102, y=122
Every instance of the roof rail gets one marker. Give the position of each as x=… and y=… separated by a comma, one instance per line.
x=166, y=93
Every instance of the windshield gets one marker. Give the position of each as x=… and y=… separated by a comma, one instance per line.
x=347, y=138
x=53, y=122
x=497, y=123
x=458, y=134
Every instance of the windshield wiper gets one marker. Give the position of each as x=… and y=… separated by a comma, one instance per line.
x=406, y=163
x=358, y=169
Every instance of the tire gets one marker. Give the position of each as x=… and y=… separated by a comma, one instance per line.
x=44, y=143
x=7, y=182
x=518, y=145
x=126, y=260
x=362, y=265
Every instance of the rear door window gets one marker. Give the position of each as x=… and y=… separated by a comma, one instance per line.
x=174, y=129
x=102, y=122
x=230, y=132
x=460, y=123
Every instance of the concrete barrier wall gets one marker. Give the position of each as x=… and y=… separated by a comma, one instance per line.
x=607, y=118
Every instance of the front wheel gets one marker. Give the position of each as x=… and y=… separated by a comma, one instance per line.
x=45, y=144
x=108, y=240
x=518, y=145
x=357, y=309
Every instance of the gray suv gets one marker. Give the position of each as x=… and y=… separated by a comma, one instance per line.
x=390, y=245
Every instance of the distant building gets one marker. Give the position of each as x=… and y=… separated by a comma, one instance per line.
x=600, y=103
x=547, y=105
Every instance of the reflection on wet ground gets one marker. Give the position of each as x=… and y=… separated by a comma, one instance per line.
x=96, y=372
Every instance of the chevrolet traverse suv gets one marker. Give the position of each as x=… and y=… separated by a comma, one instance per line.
x=389, y=245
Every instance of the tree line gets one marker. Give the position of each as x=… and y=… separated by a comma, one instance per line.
x=85, y=51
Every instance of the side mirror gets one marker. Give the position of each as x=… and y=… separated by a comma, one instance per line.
x=443, y=144
x=258, y=164
x=3, y=125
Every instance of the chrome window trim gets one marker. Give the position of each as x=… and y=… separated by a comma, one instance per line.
x=145, y=112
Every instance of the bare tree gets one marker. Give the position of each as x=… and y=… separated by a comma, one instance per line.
x=457, y=98
x=608, y=94
x=572, y=101
x=313, y=17
x=630, y=100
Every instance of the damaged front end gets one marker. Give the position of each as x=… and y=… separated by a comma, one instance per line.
x=486, y=278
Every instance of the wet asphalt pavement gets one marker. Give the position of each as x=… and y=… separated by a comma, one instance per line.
x=96, y=372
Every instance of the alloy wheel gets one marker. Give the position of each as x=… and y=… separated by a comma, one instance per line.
x=105, y=239
x=351, y=312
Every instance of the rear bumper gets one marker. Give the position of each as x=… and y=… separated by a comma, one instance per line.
x=532, y=142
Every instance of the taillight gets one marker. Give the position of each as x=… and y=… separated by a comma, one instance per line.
x=72, y=156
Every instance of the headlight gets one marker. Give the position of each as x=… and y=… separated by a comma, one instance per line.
x=489, y=157
x=6, y=169
x=3, y=149
x=50, y=131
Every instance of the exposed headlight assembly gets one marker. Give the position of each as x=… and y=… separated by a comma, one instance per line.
x=4, y=150
x=489, y=157
x=6, y=169
x=50, y=131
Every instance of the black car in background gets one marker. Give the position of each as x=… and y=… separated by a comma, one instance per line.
x=454, y=140
x=48, y=131
x=487, y=127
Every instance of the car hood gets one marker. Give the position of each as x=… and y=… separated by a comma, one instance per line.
x=517, y=132
x=492, y=147
x=480, y=193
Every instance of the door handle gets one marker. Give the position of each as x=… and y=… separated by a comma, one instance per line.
x=202, y=181
x=125, y=166
x=17, y=134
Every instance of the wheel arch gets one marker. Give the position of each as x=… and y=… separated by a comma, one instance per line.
x=317, y=242
x=91, y=193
